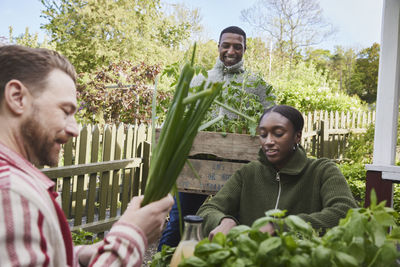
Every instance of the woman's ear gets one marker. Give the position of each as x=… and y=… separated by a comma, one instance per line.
x=298, y=137
x=15, y=96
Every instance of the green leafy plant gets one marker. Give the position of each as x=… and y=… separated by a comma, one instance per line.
x=360, y=239
x=82, y=237
x=163, y=257
x=236, y=97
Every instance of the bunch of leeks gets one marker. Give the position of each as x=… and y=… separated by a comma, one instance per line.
x=180, y=127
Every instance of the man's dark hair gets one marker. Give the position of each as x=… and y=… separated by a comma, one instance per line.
x=290, y=113
x=234, y=29
x=30, y=66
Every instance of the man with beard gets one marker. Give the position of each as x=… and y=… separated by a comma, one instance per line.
x=229, y=69
x=37, y=107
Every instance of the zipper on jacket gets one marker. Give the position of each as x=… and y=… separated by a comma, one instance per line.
x=278, y=179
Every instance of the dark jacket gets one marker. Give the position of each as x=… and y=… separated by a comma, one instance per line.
x=313, y=189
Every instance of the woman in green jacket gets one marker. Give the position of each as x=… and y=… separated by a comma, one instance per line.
x=283, y=178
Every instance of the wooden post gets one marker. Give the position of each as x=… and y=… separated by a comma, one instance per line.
x=383, y=188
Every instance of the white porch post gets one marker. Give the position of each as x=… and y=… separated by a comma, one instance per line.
x=382, y=171
x=387, y=104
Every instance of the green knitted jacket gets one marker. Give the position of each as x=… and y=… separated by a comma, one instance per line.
x=313, y=189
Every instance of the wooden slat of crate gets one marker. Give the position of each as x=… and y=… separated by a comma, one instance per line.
x=229, y=146
x=226, y=146
x=213, y=175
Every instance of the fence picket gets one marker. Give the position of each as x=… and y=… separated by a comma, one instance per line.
x=364, y=120
x=348, y=121
x=136, y=172
x=115, y=187
x=359, y=118
x=141, y=137
x=92, y=188
x=66, y=183
x=80, y=180
x=105, y=176
x=128, y=173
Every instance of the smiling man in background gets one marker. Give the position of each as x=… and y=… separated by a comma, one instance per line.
x=37, y=108
x=230, y=68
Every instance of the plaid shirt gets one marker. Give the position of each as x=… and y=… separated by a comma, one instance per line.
x=34, y=230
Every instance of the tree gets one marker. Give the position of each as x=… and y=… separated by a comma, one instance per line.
x=319, y=57
x=181, y=24
x=257, y=56
x=341, y=66
x=292, y=24
x=30, y=40
x=364, y=81
x=93, y=33
x=338, y=66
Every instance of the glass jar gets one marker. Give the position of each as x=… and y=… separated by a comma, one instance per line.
x=191, y=236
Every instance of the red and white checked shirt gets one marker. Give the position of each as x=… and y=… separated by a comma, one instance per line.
x=34, y=230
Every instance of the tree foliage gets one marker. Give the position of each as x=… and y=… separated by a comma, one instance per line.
x=93, y=33
x=364, y=81
x=121, y=92
x=30, y=40
x=310, y=84
x=336, y=65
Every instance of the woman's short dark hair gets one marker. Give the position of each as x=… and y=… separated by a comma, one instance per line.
x=290, y=113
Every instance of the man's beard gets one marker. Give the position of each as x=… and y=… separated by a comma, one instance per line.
x=40, y=143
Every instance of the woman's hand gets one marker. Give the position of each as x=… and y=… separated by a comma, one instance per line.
x=269, y=228
x=224, y=227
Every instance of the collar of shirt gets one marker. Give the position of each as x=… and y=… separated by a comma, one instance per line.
x=16, y=160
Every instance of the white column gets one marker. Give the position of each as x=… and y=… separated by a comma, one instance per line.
x=387, y=104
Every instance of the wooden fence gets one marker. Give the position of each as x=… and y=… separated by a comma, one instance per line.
x=104, y=167
x=325, y=133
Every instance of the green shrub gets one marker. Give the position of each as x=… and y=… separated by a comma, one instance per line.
x=81, y=237
x=307, y=89
x=360, y=147
x=355, y=175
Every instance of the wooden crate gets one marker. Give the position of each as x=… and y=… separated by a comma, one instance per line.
x=231, y=151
